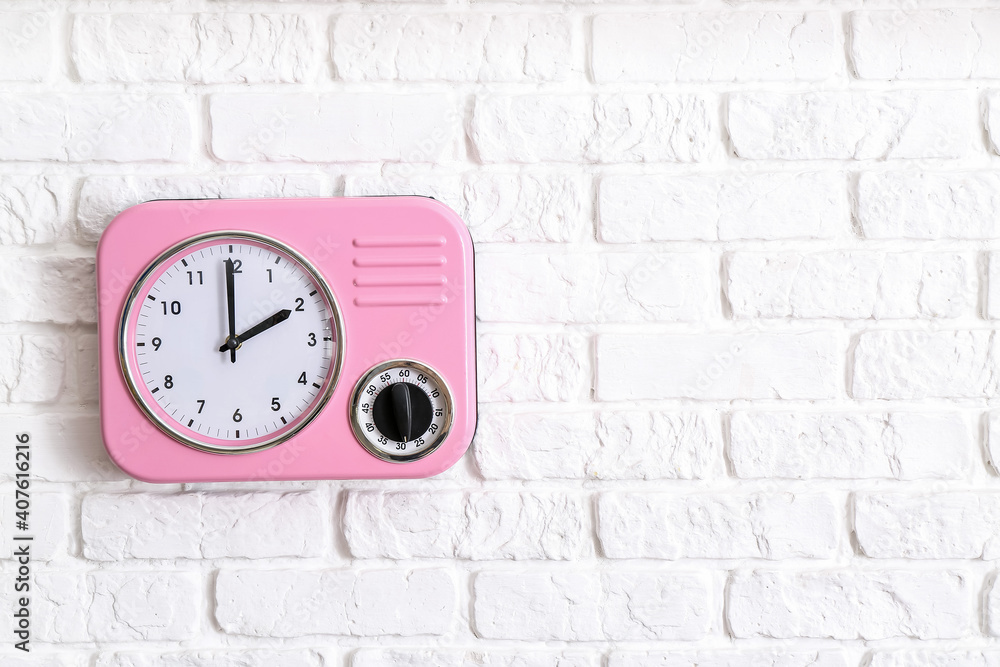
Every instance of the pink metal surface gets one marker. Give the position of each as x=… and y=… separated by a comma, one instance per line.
x=401, y=269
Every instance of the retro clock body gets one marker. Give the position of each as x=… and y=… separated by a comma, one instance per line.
x=286, y=339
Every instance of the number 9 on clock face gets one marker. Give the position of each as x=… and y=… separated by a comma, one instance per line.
x=231, y=342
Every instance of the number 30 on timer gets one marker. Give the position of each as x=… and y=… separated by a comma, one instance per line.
x=270, y=344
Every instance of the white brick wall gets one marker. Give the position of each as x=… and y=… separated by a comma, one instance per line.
x=738, y=273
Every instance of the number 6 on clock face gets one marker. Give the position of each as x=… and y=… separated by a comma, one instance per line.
x=231, y=342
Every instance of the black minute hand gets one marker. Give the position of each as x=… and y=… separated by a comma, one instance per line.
x=231, y=343
x=277, y=318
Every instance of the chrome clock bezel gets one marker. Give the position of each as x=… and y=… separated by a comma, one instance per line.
x=336, y=322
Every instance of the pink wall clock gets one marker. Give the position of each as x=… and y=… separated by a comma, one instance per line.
x=286, y=339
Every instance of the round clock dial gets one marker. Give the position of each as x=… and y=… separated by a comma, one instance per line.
x=231, y=342
x=401, y=410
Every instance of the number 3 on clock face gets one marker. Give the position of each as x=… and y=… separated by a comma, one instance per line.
x=231, y=342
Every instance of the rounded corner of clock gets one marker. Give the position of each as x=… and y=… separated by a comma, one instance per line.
x=122, y=219
x=117, y=457
x=447, y=212
x=457, y=453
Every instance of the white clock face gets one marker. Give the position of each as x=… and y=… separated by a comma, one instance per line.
x=401, y=410
x=231, y=343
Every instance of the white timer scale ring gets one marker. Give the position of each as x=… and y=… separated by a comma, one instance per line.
x=400, y=411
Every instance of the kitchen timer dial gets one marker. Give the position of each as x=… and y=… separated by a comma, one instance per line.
x=401, y=410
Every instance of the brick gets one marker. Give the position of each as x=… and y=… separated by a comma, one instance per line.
x=850, y=285
x=193, y=525
x=866, y=605
x=32, y=368
x=534, y=446
x=634, y=287
x=993, y=441
x=925, y=44
x=477, y=526
x=70, y=448
x=582, y=128
x=949, y=525
x=531, y=367
x=132, y=127
x=992, y=610
x=591, y=606
x=48, y=288
x=48, y=523
x=336, y=127
x=771, y=526
x=992, y=308
x=657, y=445
x=715, y=46
x=115, y=606
x=297, y=603
x=919, y=364
x=586, y=287
x=735, y=658
x=945, y=658
x=852, y=125
x=33, y=209
x=722, y=206
x=628, y=445
x=206, y=658
x=199, y=48
x=499, y=208
x=453, y=47
x=87, y=372
x=717, y=366
x=470, y=657
x=104, y=197
x=929, y=205
x=27, y=43
x=39, y=659
x=993, y=120
x=898, y=445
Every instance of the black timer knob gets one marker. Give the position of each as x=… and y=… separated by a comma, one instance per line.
x=402, y=412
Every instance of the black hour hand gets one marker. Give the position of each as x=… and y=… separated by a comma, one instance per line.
x=260, y=327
